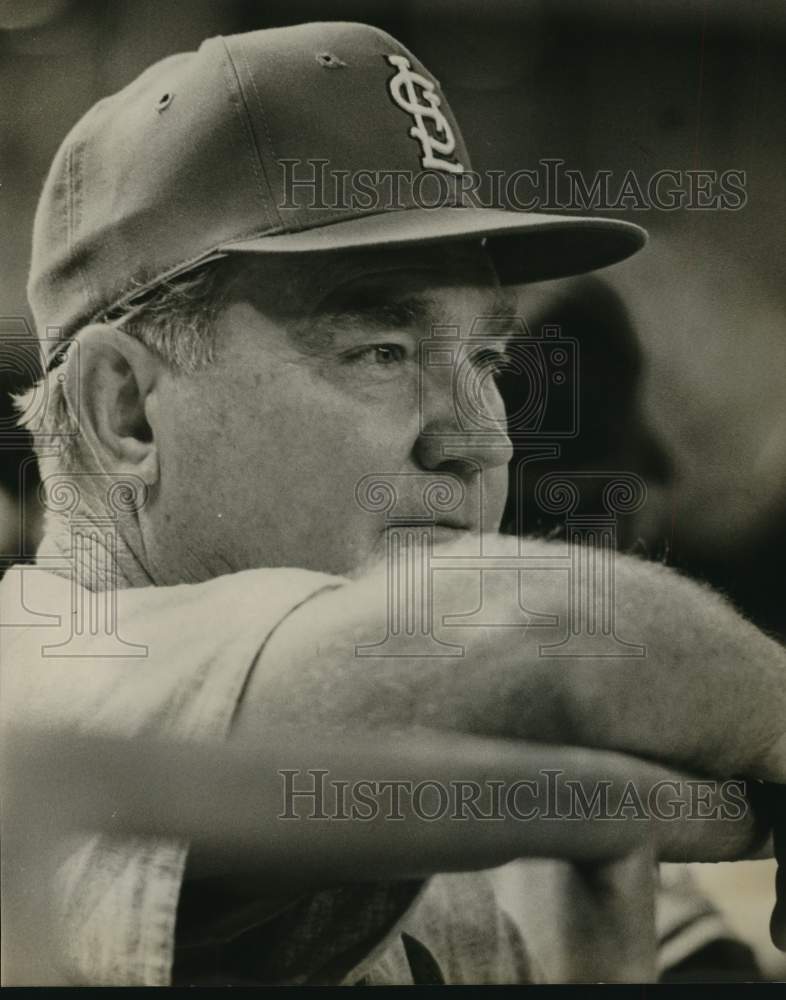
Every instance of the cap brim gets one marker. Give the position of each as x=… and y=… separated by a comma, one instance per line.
x=526, y=246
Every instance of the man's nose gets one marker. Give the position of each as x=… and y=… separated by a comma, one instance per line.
x=463, y=429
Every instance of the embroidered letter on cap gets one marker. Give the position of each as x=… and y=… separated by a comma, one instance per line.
x=441, y=140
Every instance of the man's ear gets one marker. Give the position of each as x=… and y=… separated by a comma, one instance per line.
x=108, y=384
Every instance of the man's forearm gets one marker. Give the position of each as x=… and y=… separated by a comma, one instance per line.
x=298, y=811
x=710, y=694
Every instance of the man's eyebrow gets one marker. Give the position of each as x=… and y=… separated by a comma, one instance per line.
x=367, y=311
x=362, y=311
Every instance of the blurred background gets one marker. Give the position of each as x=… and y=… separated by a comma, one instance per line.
x=683, y=349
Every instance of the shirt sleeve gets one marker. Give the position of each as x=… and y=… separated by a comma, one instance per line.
x=190, y=649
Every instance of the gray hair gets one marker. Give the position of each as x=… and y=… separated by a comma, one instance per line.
x=175, y=320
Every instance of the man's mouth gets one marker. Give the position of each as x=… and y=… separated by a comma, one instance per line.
x=448, y=532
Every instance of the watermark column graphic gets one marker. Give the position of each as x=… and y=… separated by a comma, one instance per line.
x=90, y=504
x=592, y=539
x=548, y=412
x=93, y=554
x=495, y=566
x=588, y=566
x=411, y=504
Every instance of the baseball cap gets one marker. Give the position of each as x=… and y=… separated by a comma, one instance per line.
x=232, y=149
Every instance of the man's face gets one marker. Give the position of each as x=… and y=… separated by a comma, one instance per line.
x=321, y=380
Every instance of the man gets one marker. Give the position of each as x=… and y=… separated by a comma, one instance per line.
x=231, y=356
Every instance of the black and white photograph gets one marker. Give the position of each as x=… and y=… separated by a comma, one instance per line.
x=392, y=493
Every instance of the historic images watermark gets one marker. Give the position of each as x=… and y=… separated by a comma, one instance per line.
x=551, y=795
x=549, y=186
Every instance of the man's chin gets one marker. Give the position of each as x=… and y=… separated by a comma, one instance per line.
x=445, y=534
x=403, y=542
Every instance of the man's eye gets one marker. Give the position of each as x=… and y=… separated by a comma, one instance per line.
x=379, y=354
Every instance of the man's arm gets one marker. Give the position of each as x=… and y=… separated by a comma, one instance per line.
x=228, y=802
x=710, y=694
x=301, y=812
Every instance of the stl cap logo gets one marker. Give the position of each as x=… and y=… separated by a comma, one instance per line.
x=441, y=139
